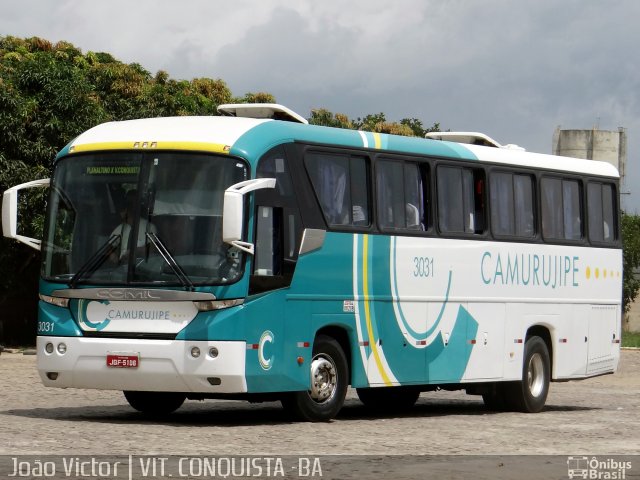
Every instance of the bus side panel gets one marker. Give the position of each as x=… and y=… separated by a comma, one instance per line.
x=276, y=337
x=414, y=334
x=604, y=335
x=488, y=357
x=569, y=341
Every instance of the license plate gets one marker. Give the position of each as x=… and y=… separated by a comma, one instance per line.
x=123, y=360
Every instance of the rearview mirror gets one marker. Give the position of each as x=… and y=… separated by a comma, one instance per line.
x=233, y=211
x=10, y=212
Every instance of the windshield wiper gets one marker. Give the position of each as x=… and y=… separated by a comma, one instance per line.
x=96, y=260
x=177, y=269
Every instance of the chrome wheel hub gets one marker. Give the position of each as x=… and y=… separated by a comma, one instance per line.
x=535, y=375
x=324, y=379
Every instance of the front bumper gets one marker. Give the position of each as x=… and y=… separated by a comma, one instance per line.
x=164, y=365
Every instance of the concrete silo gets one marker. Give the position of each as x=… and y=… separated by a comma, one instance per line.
x=606, y=145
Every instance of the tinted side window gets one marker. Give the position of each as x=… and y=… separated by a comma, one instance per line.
x=512, y=204
x=460, y=199
x=400, y=193
x=561, y=209
x=523, y=193
x=341, y=186
x=602, y=214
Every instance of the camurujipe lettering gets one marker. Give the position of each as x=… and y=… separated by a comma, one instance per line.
x=530, y=269
x=114, y=314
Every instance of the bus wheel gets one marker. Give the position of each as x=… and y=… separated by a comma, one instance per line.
x=530, y=394
x=392, y=398
x=155, y=403
x=329, y=381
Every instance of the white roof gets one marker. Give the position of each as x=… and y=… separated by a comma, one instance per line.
x=540, y=160
x=487, y=149
x=172, y=130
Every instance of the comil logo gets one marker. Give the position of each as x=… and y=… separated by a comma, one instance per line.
x=597, y=468
x=266, y=338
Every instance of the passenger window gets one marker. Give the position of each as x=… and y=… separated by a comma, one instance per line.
x=512, y=204
x=561, y=209
x=341, y=186
x=602, y=215
x=461, y=207
x=400, y=195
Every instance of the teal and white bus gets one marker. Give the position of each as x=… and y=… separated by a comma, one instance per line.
x=253, y=256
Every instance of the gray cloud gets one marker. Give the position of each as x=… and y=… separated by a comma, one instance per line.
x=513, y=69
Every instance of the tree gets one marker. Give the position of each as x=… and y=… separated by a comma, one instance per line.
x=630, y=258
x=321, y=116
x=50, y=93
x=408, y=127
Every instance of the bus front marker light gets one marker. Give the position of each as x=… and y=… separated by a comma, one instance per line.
x=213, y=352
x=195, y=352
x=62, y=348
x=300, y=360
x=48, y=347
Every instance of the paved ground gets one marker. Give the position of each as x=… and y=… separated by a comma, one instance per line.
x=598, y=416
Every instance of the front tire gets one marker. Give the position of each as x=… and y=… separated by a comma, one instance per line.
x=530, y=394
x=155, y=403
x=329, y=379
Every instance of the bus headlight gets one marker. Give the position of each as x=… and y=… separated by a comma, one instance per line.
x=62, y=348
x=195, y=352
x=57, y=301
x=48, y=347
x=208, y=305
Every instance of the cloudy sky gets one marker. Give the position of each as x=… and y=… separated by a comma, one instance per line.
x=513, y=69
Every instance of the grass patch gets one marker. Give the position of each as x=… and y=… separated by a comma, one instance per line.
x=631, y=339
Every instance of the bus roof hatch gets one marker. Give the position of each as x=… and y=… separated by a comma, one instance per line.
x=261, y=110
x=471, y=138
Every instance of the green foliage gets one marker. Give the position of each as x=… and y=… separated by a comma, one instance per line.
x=630, y=258
x=325, y=118
x=417, y=128
x=409, y=127
x=50, y=93
x=258, y=97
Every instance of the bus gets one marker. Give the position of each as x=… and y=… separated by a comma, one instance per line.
x=253, y=256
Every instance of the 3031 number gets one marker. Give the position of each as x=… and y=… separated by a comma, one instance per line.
x=423, y=267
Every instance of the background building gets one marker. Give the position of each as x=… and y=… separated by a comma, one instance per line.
x=605, y=145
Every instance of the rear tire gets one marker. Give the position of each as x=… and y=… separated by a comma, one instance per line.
x=155, y=403
x=329, y=379
x=530, y=394
x=388, y=398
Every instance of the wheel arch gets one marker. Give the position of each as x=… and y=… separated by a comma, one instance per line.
x=340, y=335
x=544, y=332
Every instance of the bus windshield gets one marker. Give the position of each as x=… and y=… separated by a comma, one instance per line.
x=149, y=218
